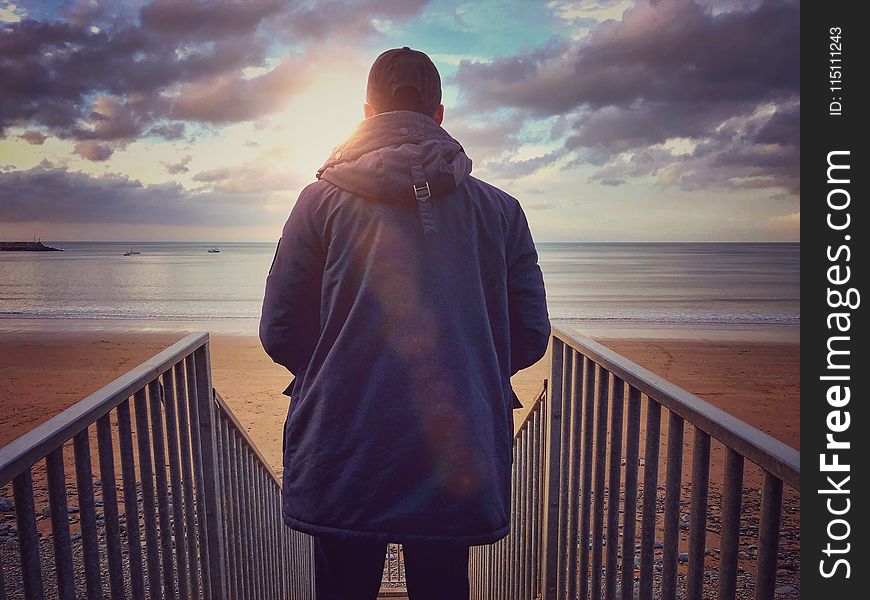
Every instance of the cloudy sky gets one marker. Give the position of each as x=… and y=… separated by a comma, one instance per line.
x=190, y=120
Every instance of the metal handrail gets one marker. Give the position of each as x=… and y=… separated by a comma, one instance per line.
x=192, y=480
x=25, y=450
x=767, y=452
x=228, y=414
x=583, y=519
x=542, y=395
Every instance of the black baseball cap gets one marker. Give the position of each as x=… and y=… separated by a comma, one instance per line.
x=403, y=67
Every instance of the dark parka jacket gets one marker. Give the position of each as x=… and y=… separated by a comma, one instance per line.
x=403, y=295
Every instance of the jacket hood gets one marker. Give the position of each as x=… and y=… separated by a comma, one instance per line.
x=398, y=156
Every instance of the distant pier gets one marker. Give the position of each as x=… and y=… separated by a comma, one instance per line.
x=27, y=247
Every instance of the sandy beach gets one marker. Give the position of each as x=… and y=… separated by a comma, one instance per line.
x=41, y=373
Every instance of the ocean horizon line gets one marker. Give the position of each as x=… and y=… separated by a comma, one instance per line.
x=707, y=242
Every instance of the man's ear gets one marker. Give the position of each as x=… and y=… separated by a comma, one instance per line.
x=439, y=114
x=368, y=110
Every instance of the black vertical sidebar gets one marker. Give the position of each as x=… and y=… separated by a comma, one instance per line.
x=834, y=346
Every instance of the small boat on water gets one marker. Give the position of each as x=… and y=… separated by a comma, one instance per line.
x=131, y=252
x=214, y=250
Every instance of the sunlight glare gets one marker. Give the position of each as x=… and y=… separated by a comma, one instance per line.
x=321, y=118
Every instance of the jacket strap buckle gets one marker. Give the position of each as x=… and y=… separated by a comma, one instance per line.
x=421, y=191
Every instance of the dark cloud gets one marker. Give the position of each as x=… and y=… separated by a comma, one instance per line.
x=168, y=131
x=33, y=137
x=231, y=98
x=106, y=72
x=664, y=52
x=511, y=168
x=52, y=194
x=206, y=20
x=351, y=20
x=105, y=85
x=178, y=167
x=666, y=70
x=483, y=139
x=94, y=151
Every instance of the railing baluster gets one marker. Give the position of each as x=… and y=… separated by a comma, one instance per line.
x=550, y=576
x=224, y=526
x=251, y=553
x=155, y=393
x=650, y=490
x=63, y=565
x=564, y=569
x=573, y=494
x=522, y=514
x=252, y=549
x=513, y=561
x=261, y=518
x=282, y=548
x=238, y=535
x=131, y=501
x=182, y=405
x=264, y=512
x=589, y=371
x=524, y=543
x=598, y=493
x=248, y=558
x=255, y=538
x=613, y=490
x=254, y=500
x=232, y=527
x=309, y=544
x=499, y=585
x=673, y=485
x=258, y=524
x=198, y=456
x=730, y=531
x=299, y=580
x=536, y=504
x=698, y=518
x=473, y=576
x=286, y=563
x=169, y=390
x=213, y=514
x=28, y=541
x=87, y=514
x=531, y=509
x=149, y=513
x=274, y=522
x=768, y=537
x=512, y=534
x=490, y=572
x=110, y=507
x=3, y=595
x=629, y=519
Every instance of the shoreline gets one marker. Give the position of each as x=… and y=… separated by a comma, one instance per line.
x=247, y=326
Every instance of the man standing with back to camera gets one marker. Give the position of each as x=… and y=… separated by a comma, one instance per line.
x=403, y=295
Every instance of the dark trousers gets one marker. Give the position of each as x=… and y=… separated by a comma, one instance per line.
x=352, y=569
